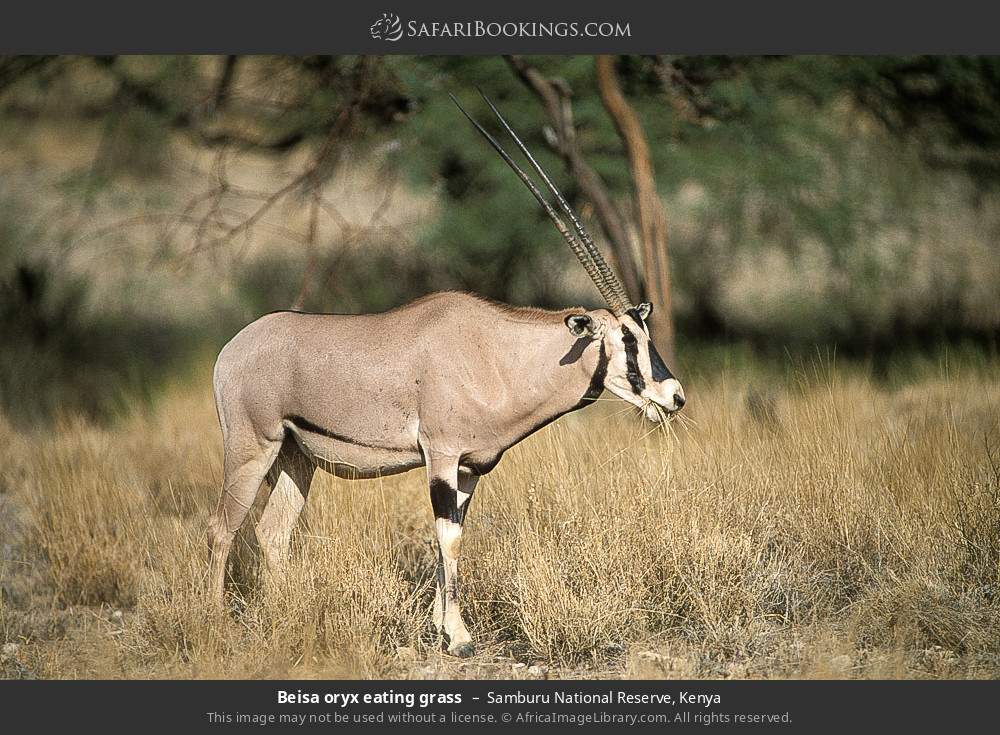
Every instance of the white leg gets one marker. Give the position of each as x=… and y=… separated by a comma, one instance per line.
x=451, y=491
x=290, y=479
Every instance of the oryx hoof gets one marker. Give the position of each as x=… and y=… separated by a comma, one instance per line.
x=462, y=650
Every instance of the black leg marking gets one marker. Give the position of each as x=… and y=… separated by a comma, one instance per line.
x=444, y=500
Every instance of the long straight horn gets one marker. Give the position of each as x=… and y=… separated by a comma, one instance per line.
x=614, y=298
x=607, y=275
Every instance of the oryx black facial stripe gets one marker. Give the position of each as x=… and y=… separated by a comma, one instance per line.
x=632, y=372
x=637, y=318
x=596, y=386
x=658, y=369
x=444, y=501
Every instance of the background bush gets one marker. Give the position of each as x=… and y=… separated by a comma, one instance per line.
x=840, y=203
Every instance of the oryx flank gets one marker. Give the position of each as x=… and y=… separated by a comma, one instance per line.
x=450, y=381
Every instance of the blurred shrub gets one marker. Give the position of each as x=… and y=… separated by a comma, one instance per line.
x=135, y=142
x=342, y=281
x=61, y=357
x=811, y=200
x=844, y=202
x=61, y=354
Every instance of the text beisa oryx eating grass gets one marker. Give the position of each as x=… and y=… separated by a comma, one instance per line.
x=450, y=381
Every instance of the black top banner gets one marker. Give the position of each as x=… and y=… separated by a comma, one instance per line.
x=515, y=26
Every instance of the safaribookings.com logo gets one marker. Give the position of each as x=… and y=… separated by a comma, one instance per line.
x=387, y=28
x=390, y=28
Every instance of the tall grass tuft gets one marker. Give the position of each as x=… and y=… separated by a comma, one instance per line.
x=850, y=529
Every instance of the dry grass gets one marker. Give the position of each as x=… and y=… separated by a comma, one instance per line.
x=821, y=526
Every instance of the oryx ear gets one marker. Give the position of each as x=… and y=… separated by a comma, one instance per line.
x=644, y=309
x=582, y=325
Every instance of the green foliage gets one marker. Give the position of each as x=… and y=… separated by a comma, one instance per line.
x=803, y=160
x=490, y=235
x=844, y=202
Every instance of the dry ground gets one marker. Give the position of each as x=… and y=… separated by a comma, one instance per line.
x=817, y=526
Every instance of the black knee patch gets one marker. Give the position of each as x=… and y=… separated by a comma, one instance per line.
x=444, y=500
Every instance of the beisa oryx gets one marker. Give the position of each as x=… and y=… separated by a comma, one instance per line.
x=450, y=381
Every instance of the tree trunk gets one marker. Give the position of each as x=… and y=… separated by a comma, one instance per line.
x=652, y=220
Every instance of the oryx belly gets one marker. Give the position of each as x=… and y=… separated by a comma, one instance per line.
x=351, y=458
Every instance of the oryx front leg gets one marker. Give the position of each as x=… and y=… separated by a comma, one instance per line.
x=451, y=492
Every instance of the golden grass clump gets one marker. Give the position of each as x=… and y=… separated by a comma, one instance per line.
x=813, y=525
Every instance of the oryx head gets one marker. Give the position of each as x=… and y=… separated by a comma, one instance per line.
x=635, y=371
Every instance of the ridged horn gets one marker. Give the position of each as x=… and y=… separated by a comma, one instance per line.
x=603, y=268
x=586, y=252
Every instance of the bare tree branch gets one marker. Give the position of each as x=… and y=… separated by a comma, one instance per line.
x=649, y=209
x=555, y=96
x=14, y=68
x=221, y=95
x=685, y=97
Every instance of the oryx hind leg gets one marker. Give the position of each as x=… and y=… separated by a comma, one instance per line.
x=451, y=490
x=289, y=477
x=244, y=470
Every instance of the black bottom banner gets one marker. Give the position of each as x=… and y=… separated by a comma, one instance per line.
x=492, y=706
